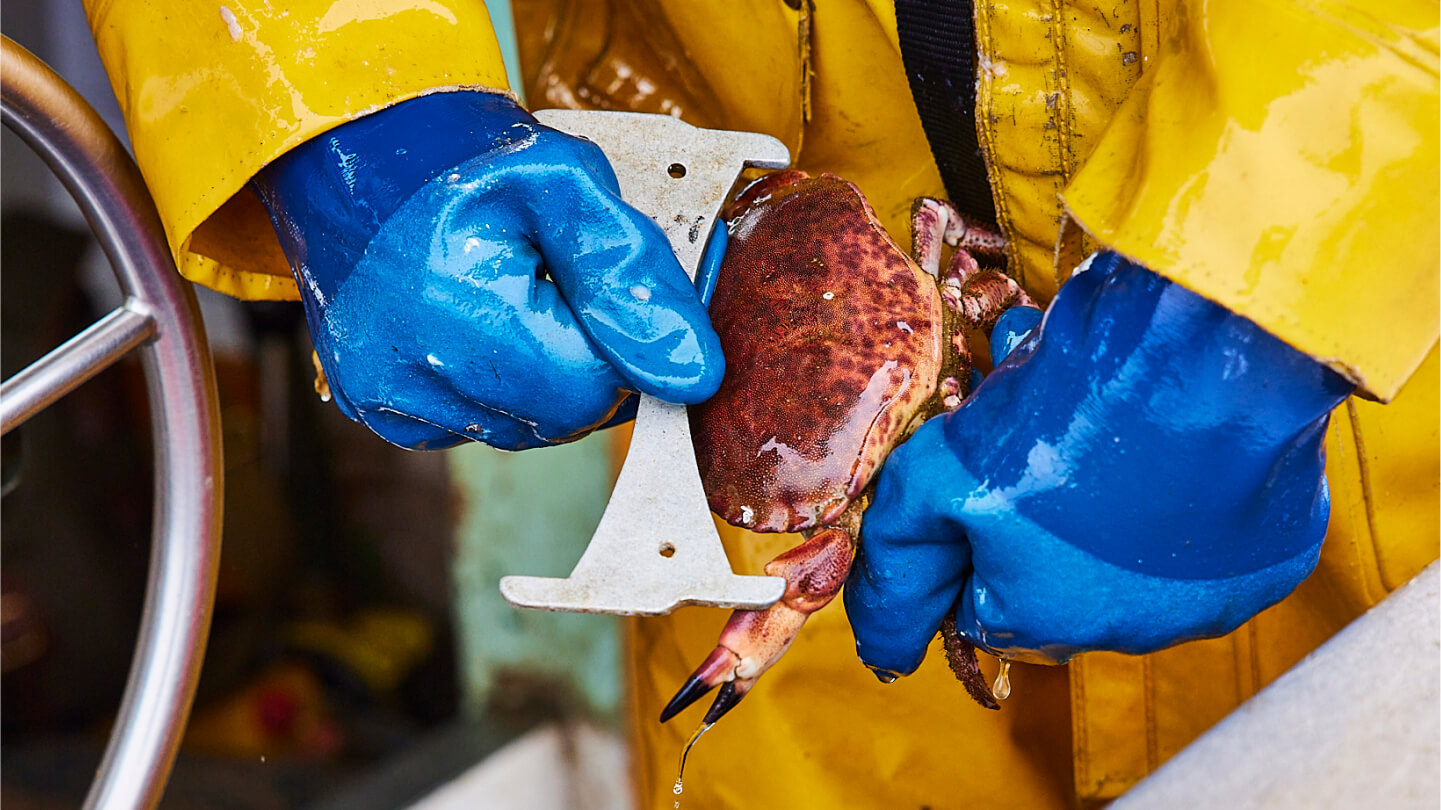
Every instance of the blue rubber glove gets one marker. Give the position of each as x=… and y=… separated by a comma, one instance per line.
x=470, y=274
x=1143, y=469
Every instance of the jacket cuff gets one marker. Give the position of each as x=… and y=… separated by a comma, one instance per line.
x=212, y=96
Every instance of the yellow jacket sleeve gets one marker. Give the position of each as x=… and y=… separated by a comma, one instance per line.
x=212, y=92
x=1280, y=158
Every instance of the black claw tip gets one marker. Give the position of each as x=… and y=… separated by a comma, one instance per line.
x=725, y=700
x=688, y=694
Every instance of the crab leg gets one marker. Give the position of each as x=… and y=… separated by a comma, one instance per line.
x=980, y=295
x=753, y=640
x=934, y=222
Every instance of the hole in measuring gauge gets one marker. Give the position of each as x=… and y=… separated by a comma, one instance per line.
x=676, y=170
x=667, y=550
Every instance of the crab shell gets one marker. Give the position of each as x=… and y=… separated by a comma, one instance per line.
x=833, y=342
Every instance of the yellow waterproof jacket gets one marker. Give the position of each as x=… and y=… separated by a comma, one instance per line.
x=1277, y=156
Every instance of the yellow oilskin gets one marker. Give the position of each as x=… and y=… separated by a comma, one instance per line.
x=212, y=92
x=1049, y=77
x=1280, y=158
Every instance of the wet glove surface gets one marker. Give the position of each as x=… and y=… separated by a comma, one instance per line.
x=468, y=273
x=1142, y=469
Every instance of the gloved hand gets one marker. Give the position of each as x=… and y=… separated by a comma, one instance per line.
x=470, y=274
x=1143, y=469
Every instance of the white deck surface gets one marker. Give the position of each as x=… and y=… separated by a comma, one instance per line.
x=572, y=767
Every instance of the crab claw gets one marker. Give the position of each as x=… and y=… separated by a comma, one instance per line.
x=729, y=695
x=717, y=668
x=726, y=699
x=753, y=640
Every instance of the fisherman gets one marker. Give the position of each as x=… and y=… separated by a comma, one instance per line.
x=1158, y=461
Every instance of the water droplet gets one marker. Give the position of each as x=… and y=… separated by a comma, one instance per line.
x=1001, y=689
x=828, y=295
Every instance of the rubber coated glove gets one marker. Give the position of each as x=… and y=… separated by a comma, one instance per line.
x=1143, y=469
x=470, y=274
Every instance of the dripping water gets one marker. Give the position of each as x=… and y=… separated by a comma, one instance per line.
x=1001, y=689
x=678, y=787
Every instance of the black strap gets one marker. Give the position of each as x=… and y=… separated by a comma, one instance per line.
x=938, y=47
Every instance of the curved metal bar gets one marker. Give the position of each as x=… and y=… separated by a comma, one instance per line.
x=70, y=364
x=185, y=545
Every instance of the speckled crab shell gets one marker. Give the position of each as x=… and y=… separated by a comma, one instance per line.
x=833, y=341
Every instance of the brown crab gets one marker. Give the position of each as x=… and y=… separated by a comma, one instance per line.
x=838, y=346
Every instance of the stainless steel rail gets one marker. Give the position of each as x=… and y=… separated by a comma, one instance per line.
x=72, y=363
x=161, y=317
